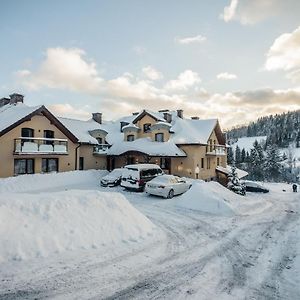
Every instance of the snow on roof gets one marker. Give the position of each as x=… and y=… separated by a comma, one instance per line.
x=227, y=170
x=145, y=145
x=81, y=129
x=10, y=114
x=130, y=126
x=187, y=131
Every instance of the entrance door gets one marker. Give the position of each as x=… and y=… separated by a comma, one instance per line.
x=81, y=163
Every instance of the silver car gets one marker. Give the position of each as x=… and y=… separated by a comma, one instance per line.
x=167, y=186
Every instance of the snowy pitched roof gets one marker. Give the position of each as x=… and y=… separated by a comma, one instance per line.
x=187, y=131
x=227, y=170
x=147, y=146
x=81, y=129
x=11, y=114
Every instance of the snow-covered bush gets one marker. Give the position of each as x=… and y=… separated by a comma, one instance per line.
x=234, y=183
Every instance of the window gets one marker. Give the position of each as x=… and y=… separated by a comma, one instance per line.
x=130, y=138
x=218, y=161
x=130, y=160
x=159, y=137
x=49, y=134
x=100, y=140
x=165, y=163
x=81, y=163
x=23, y=166
x=208, y=163
x=147, y=127
x=202, y=163
x=27, y=132
x=49, y=165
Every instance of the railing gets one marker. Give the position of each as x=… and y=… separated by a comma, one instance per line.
x=31, y=145
x=215, y=150
x=100, y=149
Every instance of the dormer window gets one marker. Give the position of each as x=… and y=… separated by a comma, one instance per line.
x=159, y=137
x=147, y=127
x=130, y=138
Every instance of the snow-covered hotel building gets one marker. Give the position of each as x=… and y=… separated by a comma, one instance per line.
x=33, y=140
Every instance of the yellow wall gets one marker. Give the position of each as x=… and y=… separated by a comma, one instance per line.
x=66, y=161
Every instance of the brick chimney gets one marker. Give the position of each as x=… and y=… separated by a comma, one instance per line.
x=16, y=98
x=180, y=113
x=97, y=117
x=168, y=117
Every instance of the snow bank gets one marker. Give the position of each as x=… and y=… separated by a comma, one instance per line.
x=209, y=197
x=37, y=182
x=39, y=225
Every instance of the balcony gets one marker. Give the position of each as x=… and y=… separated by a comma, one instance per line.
x=100, y=149
x=31, y=145
x=215, y=150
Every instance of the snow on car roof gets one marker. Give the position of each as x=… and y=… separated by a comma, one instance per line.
x=142, y=166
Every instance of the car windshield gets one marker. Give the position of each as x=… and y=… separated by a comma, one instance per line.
x=162, y=179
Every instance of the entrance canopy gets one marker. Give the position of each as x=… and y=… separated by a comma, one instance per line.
x=147, y=146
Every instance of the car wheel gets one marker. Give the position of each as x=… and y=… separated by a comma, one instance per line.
x=171, y=194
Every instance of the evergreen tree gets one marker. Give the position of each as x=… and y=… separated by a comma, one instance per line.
x=272, y=163
x=234, y=182
x=257, y=160
x=230, y=157
x=243, y=155
x=238, y=155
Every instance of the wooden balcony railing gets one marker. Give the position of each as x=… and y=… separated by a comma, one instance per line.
x=31, y=145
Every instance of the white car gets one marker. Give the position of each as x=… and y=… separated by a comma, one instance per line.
x=113, y=178
x=167, y=186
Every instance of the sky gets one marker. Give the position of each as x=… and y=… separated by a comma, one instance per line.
x=235, y=60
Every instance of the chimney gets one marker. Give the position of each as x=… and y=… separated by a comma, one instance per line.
x=168, y=117
x=4, y=101
x=135, y=113
x=180, y=113
x=195, y=118
x=97, y=117
x=16, y=98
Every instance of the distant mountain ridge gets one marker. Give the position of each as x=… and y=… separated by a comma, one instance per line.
x=280, y=129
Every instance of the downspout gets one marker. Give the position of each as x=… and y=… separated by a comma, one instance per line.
x=76, y=156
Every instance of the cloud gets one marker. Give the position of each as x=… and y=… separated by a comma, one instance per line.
x=190, y=40
x=63, y=69
x=184, y=81
x=249, y=12
x=284, y=54
x=71, y=69
x=226, y=76
x=152, y=73
x=69, y=111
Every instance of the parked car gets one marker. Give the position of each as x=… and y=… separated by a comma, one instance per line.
x=167, y=186
x=113, y=178
x=254, y=187
x=135, y=176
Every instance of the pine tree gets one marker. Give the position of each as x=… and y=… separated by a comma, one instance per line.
x=234, y=182
x=230, y=157
x=238, y=156
x=272, y=163
x=257, y=160
x=243, y=155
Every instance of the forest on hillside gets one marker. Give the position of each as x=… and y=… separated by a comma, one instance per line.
x=280, y=129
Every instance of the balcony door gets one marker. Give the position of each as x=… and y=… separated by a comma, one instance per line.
x=27, y=133
x=49, y=134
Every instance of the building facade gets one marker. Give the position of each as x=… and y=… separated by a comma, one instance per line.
x=33, y=140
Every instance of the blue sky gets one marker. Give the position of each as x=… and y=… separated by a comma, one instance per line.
x=233, y=59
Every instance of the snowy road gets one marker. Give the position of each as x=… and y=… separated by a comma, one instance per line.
x=198, y=256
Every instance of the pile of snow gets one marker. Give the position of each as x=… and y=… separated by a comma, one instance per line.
x=209, y=197
x=39, y=225
x=38, y=182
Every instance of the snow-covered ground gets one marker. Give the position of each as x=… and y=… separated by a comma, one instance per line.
x=194, y=251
